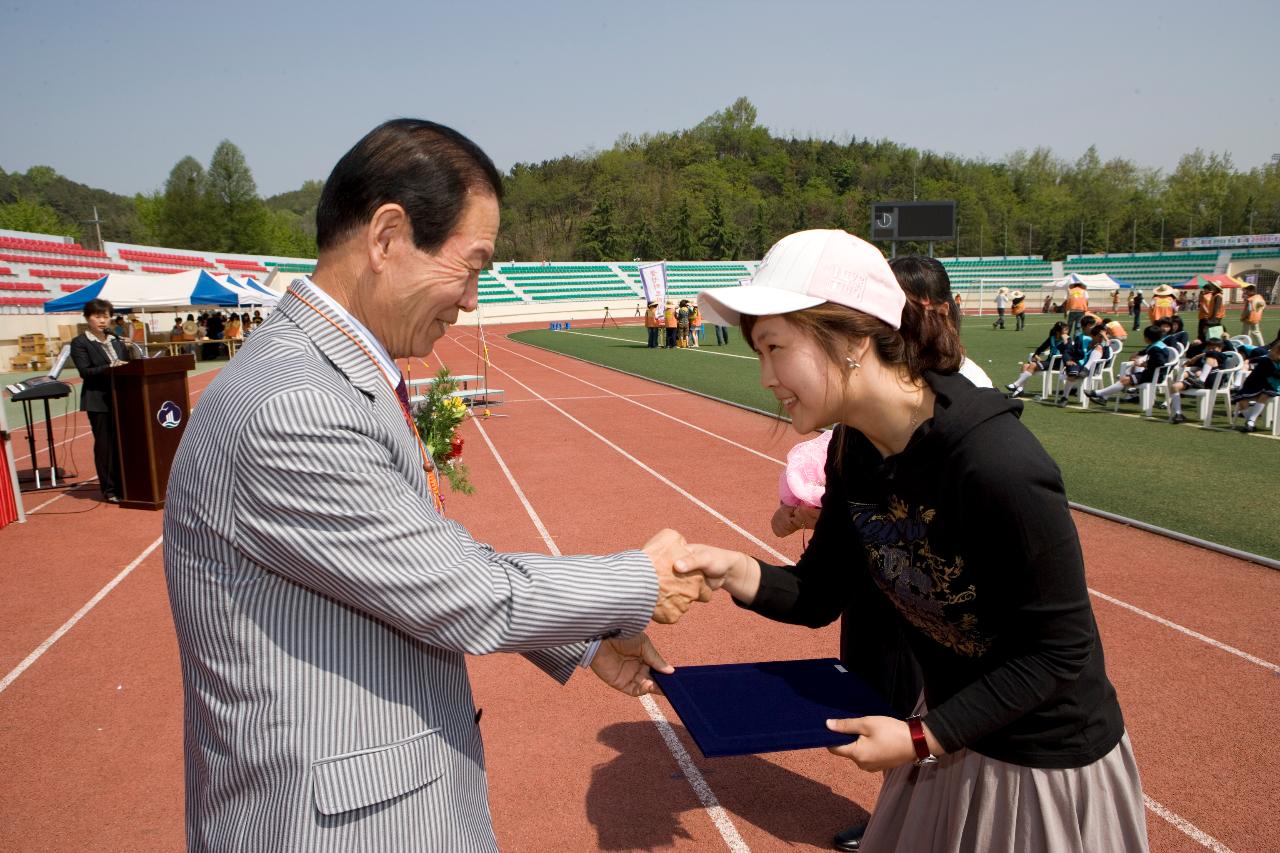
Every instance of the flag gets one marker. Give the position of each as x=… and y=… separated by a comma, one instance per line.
x=653, y=278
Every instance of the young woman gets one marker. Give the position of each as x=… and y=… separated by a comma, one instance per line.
x=94, y=353
x=941, y=503
x=1041, y=359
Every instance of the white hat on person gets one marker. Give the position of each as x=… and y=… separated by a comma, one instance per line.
x=806, y=269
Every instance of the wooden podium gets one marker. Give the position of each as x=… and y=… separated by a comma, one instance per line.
x=152, y=406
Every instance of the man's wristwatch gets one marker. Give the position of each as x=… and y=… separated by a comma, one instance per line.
x=915, y=724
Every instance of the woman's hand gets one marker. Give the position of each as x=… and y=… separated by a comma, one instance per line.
x=883, y=743
x=788, y=519
x=737, y=572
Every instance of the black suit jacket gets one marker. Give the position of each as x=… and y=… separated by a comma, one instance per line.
x=91, y=361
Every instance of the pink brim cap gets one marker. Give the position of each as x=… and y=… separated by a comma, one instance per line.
x=806, y=269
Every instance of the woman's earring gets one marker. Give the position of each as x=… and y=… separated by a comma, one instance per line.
x=850, y=363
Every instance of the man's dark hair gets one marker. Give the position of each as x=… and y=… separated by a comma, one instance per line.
x=425, y=167
x=1153, y=333
x=98, y=306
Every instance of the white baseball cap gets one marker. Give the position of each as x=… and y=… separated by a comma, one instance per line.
x=806, y=269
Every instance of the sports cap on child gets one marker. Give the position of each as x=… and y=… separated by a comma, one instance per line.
x=806, y=269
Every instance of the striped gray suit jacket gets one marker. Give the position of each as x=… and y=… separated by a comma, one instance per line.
x=323, y=609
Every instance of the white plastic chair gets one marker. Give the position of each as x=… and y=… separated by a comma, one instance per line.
x=1052, y=368
x=1147, y=390
x=1218, y=389
x=1110, y=367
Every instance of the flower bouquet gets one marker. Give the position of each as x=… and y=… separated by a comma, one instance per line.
x=438, y=418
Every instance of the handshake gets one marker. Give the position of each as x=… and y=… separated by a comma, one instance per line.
x=677, y=591
x=686, y=573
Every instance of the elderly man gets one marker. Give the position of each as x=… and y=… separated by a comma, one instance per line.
x=324, y=603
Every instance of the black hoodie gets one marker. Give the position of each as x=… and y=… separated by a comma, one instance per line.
x=968, y=534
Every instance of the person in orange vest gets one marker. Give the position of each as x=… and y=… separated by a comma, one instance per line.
x=1077, y=304
x=651, y=324
x=695, y=325
x=1163, y=304
x=670, y=319
x=1212, y=309
x=1019, y=309
x=1251, y=316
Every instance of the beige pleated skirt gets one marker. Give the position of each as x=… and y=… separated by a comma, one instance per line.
x=968, y=802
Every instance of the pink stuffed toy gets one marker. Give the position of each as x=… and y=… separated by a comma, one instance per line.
x=804, y=481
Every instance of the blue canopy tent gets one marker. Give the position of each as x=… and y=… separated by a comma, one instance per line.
x=132, y=291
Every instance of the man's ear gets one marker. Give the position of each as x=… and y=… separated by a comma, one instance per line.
x=388, y=223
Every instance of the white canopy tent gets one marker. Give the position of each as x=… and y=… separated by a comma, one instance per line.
x=134, y=291
x=1098, y=281
x=250, y=293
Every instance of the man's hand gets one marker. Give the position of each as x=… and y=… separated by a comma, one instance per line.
x=676, y=593
x=623, y=663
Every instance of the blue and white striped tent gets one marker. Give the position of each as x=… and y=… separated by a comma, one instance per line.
x=132, y=291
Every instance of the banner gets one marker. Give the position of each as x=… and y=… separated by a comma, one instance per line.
x=653, y=278
x=1226, y=242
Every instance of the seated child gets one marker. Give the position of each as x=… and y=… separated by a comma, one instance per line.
x=1155, y=356
x=1199, y=373
x=1040, y=359
x=1260, y=385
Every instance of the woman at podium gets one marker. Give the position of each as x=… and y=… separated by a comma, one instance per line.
x=94, y=353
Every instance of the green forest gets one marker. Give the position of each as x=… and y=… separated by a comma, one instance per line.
x=723, y=190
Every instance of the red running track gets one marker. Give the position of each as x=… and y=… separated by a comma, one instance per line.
x=90, y=730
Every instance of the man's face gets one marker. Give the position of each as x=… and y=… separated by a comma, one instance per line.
x=98, y=323
x=420, y=294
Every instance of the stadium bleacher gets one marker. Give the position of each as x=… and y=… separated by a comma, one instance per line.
x=46, y=263
x=1145, y=269
x=973, y=273
x=63, y=262
x=165, y=258
x=49, y=246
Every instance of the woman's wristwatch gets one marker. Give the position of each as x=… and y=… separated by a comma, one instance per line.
x=915, y=724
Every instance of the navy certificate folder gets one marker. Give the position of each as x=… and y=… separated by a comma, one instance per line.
x=746, y=708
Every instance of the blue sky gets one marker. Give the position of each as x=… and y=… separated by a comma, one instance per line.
x=113, y=95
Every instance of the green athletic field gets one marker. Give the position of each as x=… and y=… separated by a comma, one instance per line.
x=1215, y=484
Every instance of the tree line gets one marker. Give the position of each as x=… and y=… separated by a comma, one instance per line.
x=725, y=189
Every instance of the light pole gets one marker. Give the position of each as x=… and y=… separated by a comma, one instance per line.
x=1135, y=235
x=1160, y=213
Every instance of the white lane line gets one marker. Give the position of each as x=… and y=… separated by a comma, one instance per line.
x=697, y=781
x=1188, y=828
x=719, y=516
x=528, y=507
x=93, y=479
x=80, y=614
x=629, y=399
x=1265, y=664
x=1217, y=644
x=27, y=455
x=609, y=396
x=684, y=349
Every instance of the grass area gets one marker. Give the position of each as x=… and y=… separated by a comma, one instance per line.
x=1184, y=478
